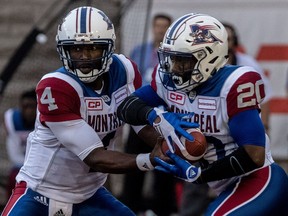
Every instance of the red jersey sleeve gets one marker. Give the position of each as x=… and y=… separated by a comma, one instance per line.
x=57, y=101
x=153, y=82
x=245, y=94
x=138, y=79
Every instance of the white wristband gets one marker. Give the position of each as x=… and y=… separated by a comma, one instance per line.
x=143, y=162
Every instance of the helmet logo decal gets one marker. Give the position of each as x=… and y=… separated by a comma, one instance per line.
x=174, y=29
x=83, y=15
x=107, y=20
x=81, y=20
x=202, y=34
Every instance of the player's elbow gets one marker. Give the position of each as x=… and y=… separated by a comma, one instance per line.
x=259, y=161
x=95, y=159
x=256, y=153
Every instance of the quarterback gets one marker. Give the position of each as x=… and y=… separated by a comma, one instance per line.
x=70, y=152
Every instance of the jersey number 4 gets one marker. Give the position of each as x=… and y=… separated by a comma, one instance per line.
x=47, y=98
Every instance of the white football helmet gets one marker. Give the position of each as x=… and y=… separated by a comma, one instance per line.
x=82, y=26
x=199, y=43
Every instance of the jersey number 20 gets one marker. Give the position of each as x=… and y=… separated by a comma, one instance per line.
x=248, y=91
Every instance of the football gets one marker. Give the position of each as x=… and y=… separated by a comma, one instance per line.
x=195, y=149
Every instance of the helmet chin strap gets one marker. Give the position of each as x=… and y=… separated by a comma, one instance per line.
x=181, y=80
x=86, y=78
x=93, y=74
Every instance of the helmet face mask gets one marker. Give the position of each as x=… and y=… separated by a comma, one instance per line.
x=94, y=62
x=194, y=48
x=89, y=29
x=180, y=68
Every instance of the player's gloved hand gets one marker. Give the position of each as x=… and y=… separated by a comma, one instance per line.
x=182, y=169
x=169, y=124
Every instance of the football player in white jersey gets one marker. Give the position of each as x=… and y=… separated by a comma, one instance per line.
x=192, y=78
x=70, y=151
x=19, y=122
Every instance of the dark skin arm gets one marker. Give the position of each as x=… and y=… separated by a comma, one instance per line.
x=149, y=135
x=256, y=153
x=242, y=120
x=107, y=161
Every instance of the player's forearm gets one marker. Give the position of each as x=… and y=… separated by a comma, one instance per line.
x=106, y=161
x=235, y=164
x=134, y=111
x=149, y=135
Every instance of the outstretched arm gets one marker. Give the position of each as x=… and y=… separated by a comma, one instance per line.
x=83, y=141
x=137, y=111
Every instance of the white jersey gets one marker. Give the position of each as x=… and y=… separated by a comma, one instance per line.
x=55, y=168
x=17, y=135
x=231, y=90
x=244, y=59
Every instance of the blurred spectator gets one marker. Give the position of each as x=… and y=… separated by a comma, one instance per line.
x=145, y=55
x=163, y=200
x=19, y=122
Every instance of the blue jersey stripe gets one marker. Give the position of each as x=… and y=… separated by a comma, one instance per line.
x=83, y=16
x=176, y=25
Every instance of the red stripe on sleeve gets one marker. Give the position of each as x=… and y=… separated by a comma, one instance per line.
x=90, y=11
x=77, y=20
x=245, y=94
x=153, y=82
x=138, y=79
x=57, y=101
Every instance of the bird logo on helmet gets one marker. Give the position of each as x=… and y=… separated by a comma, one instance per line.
x=202, y=34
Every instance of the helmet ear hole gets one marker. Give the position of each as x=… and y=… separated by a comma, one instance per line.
x=209, y=50
x=213, y=60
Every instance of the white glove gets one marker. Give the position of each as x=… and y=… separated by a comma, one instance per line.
x=169, y=124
